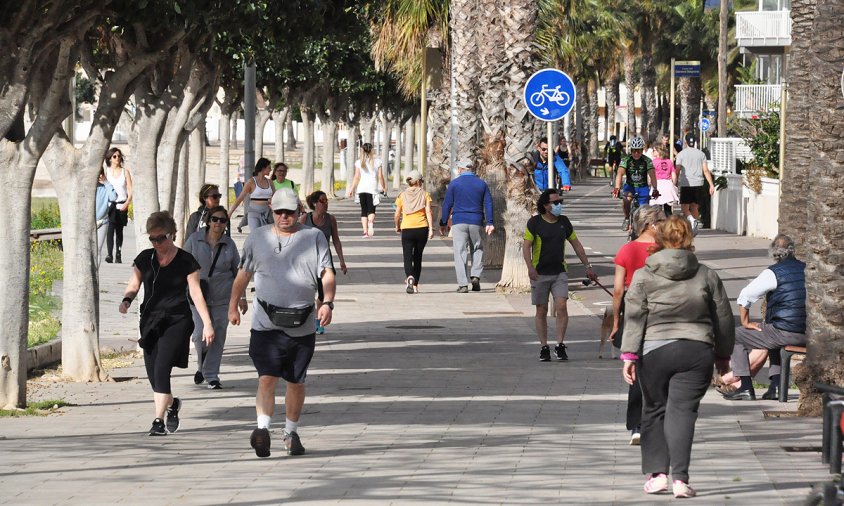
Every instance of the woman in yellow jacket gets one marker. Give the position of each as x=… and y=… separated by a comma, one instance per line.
x=414, y=223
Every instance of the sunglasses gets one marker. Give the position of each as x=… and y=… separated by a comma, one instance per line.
x=218, y=219
x=323, y=201
x=284, y=212
x=156, y=239
x=116, y=155
x=214, y=196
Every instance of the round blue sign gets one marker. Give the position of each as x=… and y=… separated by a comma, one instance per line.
x=704, y=125
x=549, y=94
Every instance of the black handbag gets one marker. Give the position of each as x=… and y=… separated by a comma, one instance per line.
x=287, y=317
x=204, y=283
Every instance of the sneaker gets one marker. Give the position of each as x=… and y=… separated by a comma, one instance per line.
x=635, y=437
x=656, y=483
x=365, y=235
x=682, y=490
x=293, y=443
x=560, y=352
x=476, y=284
x=173, y=415
x=198, y=378
x=409, y=288
x=462, y=289
x=157, y=428
x=215, y=385
x=544, y=354
x=625, y=225
x=260, y=441
x=109, y=259
x=117, y=258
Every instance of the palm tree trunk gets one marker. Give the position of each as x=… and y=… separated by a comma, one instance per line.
x=689, y=91
x=592, y=88
x=649, y=123
x=613, y=80
x=397, y=174
x=466, y=72
x=815, y=218
x=630, y=84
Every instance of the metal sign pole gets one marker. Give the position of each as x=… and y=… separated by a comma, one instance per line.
x=552, y=181
x=700, y=122
x=671, y=111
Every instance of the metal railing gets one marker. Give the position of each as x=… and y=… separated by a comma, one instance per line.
x=763, y=28
x=753, y=98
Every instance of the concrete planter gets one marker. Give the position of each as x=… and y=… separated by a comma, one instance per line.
x=728, y=206
x=762, y=210
x=44, y=354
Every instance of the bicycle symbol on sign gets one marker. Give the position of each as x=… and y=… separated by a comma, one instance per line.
x=561, y=98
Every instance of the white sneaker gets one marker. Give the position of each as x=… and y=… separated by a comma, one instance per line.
x=635, y=438
x=682, y=490
x=695, y=225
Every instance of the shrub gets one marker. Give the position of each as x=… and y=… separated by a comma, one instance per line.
x=46, y=217
x=45, y=267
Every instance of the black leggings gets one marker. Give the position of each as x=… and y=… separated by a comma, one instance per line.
x=367, y=204
x=413, y=241
x=171, y=350
x=114, y=231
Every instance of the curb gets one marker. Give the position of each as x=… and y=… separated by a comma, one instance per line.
x=44, y=354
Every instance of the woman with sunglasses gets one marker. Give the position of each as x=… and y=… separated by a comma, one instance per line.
x=368, y=176
x=118, y=212
x=219, y=260
x=209, y=196
x=259, y=190
x=168, y=273
x=320, y=218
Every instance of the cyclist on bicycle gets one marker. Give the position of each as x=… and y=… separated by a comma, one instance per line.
x=540, y=168
x=613, y=152
x=640, y=179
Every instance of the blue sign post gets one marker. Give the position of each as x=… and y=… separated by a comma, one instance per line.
x=549, y=94
x=704, y=125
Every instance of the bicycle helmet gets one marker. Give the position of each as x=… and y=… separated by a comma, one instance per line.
x=637, y=143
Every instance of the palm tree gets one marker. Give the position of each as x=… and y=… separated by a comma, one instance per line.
x=815, y=131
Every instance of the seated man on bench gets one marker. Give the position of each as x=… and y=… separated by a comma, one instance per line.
x=784, y=286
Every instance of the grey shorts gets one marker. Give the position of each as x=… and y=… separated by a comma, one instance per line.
x=545, y=285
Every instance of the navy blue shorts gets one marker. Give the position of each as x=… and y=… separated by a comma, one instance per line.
x=274, y=353
x=643, y=193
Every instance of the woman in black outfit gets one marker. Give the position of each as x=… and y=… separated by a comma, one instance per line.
x=168, y=273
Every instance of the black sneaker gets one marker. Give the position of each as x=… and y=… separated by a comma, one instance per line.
x=293, y=443
x=462, y=289
x=560, y=352
x=215, y=385
x=109, y=259
x=476, y=284
x=260, y=440
x=158, y=428
x=198, y=378
x=117, y=258
x=173, y=415
x=544, y=354
x=410, y=283
x=625, y=225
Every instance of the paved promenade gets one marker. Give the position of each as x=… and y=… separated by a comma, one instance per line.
x=429, y=398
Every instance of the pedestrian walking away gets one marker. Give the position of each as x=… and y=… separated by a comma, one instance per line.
x=209, y=196
x=259, y=191
x=168, y=273
x=637, y=172
x=118, y=212
x=693, y=171
x=219, y=261
x=630, y=258
x=282, y=340
x=666, y=181
x=678, y=323
x=468, y=203
x=106, y=195
x=366, y=186
x=320, y=218
x=784, y=287
x=414, y=223
x=544, y=251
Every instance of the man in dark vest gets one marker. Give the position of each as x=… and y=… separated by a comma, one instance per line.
x=784, y=286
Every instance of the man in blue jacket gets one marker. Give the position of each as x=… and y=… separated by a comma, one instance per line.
x=540, y=168
x=469, y=203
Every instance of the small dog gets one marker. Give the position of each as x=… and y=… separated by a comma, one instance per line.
x=606, y=329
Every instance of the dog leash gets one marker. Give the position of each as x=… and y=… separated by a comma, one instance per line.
x=587, y=282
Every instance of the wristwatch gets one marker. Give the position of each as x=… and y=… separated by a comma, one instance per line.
x=330, y=304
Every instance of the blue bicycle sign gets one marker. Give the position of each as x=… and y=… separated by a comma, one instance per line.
x=549, y=94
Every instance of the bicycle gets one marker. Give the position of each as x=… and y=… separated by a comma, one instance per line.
x=560, y=98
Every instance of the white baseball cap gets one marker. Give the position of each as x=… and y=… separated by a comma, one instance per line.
x=285, y=198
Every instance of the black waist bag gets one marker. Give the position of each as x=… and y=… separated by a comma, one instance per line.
x=287, y=317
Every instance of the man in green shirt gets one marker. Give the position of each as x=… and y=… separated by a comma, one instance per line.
x=544, y=251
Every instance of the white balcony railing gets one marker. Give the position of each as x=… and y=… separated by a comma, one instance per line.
x=763, y=28
x=753, y=98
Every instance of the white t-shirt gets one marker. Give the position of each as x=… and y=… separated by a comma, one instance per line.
x=692, y=160
x=368, y=177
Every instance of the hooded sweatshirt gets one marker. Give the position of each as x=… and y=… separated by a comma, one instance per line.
x=674, y=297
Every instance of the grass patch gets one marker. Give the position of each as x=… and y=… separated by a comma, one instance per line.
x=45, y=267
x=40, y=408
x=45, y=214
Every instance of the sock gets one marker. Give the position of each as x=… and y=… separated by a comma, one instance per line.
x=290, y=426
x=263, y=422
x=775, y=382
x=746, y=383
